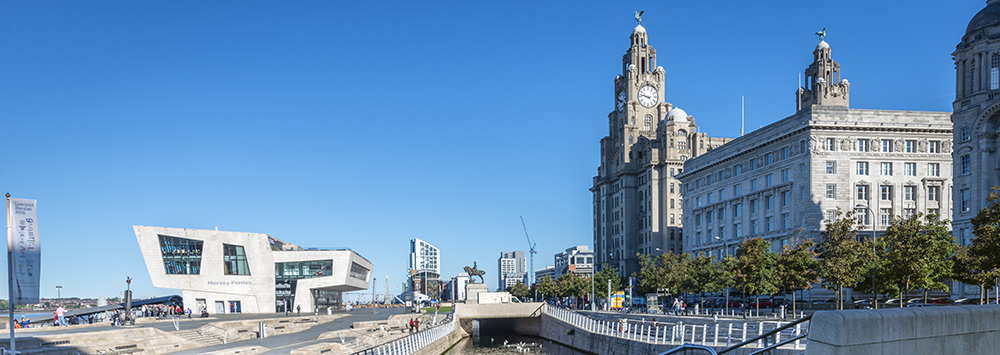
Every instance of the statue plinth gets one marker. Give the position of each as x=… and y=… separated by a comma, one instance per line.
x=472, y=292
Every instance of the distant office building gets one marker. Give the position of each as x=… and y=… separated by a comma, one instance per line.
x=455, y=288
x=548, y=271
x=425, y=269
x=637, y=199
x=577, y=260
x=235, y=272
x=512, y=269
x=794, y=174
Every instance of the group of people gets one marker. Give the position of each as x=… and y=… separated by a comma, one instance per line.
x=163, y=310
x=414, y=325
x=679, y=306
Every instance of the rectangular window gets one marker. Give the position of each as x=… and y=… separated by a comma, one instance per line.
x=886, y=192
x=933, y=213
x=736, y=190
x=831, y=167
x=708, y=217
x=966, y=135
x=671, y=203
x=753, y=185
x=831, y=191
x=753, y=226
x=910, y=169
x=697, y=220
x=737, y=230
x=887, y=146
x=964, y=204
x=862, y=192
x=911, y=146
x=753, y=164
x=671, y=187
x=934, y=169
x=831, y=144
x=303, y=269
x=737, y=170
x=909, y=193
x=768, y=202
x=862, y=145
x=722, y=213
x=885, y=215
x=722, y=195
x=784, y=175
x=784, y=152
x=785, y=198
x=934, y=147
x=909, y=212
x=768, y=158
x=887, y=169
x=862, y=215
x=697, y=201
x=934, y=193
x=966, y=164
x=235, y=260
x=768, y=224
x=736, y=210
x=831, y=215
x=767, y=180
x=753, y=206
x=708, y=198
x=862, y=168
x=359, y=272
x=181, y=256
x=786, y=221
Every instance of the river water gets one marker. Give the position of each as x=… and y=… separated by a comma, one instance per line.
x=509, y=344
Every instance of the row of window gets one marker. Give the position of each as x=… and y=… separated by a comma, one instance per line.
x=886, y=192
x=784, y=197
x=909, y=169
x=884, y=145
x=755, y=228
x=737, y=190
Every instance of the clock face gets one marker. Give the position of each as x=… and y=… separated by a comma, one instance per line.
x=647, y=96
x=621, y=101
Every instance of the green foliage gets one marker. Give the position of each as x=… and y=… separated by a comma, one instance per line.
x=843, y=262
x=797, y=266
x=520, y=290
x=601, y=280
x=919, y=254
x=708, y=275
x=547, y=287
x=986, y=227
x=571, y=284
x=755, y=267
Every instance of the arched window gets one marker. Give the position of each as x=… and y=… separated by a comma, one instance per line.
x=682, y=133
x=995, y=71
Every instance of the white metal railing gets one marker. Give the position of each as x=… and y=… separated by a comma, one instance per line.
x=707, y=334
x=414, y=342
x=222, y=334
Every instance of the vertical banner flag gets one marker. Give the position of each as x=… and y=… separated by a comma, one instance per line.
x=24, y=246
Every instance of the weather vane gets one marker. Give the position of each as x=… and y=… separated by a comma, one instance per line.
x=638, y=16
x=821, y=34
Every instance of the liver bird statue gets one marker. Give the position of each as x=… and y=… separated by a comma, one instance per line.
x=638, y=16
x=821, y=34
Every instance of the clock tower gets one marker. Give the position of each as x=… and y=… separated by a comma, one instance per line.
x=638, y=95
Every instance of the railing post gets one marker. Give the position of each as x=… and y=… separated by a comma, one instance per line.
x=760, y=331
x=715, y=340
x=777, y=335
x=744, y=332
x=684, y=333
x=673, y=334
x=704, y=334
x=729, y=335
x=798, y=329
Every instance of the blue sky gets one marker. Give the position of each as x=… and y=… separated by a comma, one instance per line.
x=348, y=124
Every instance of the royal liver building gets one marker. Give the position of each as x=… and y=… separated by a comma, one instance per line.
x=637, y=200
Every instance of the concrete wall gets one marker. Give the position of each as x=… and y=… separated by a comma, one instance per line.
x=932, y=330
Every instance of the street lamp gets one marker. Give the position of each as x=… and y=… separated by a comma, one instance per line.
x=874, y=294
x=59, y=292
x=725, y=250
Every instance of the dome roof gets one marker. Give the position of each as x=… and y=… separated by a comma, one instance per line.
x=677, y=115
x=822, y=45
x=986, y=17
x=639, y=29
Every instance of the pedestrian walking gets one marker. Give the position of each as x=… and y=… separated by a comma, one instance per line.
x=411, y=325
x=298, y=309
x=416, y=325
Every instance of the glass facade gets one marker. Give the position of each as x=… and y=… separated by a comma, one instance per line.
x=181, y=256
x=359, y=272
x=235, y=260
x=286, y=275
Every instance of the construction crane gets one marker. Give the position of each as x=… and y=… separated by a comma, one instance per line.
x=531, y=254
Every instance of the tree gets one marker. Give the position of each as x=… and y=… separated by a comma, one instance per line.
x=843, y=262
x=755, y=268
x=919, y=254
x=572, y=285
x=651, y=276
x=797, y=268
x=547, y=287
x=986, y=245
x=609, y=273
x=968, y=268
x=708, y=275
x=520, y=290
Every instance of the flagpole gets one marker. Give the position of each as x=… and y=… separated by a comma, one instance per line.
x=10, y=275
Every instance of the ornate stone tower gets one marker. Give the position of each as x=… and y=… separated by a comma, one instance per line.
x=976, y=118
x=823, y=83
x=637, y=200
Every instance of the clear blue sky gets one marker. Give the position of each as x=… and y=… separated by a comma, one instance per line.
x=351, y=124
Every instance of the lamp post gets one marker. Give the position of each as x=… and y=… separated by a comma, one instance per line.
x=725, y=250
x=874, y=293
x=58, y=292
x=592, y=274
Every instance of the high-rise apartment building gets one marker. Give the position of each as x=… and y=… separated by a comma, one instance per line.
x=512, y=268
x=637, y=199
x=576, y=260
x=425, y=268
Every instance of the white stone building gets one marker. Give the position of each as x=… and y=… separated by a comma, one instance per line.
x=548, y=271
x=637, y=200
x=795, y=173
x=236, y=272
x=977, y=122
x=512, y=268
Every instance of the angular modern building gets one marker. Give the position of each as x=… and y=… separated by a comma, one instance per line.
x=795, y=173
x=237, y=272
x=424, y=275
x=637, y=199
